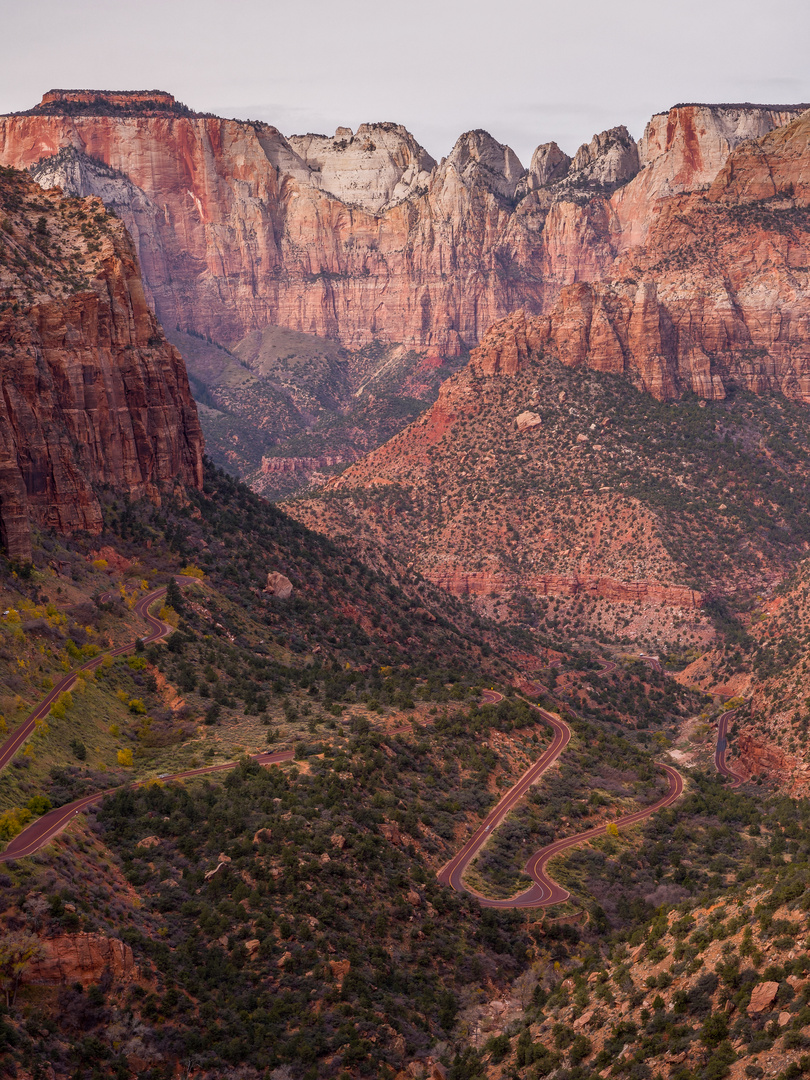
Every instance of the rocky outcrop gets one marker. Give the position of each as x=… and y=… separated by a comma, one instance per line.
x=379, y=166
x=82, y=958
x=112, y=558
x=762, y=997
x=528, y=420
x=756, y=757
x=507, y=346
x=278, y=585
x=548, y=165
x=718, y=295
x=480, y=161
x=56, y=101
x=148, y=842
x=685, y=148
x=92, y=392
x=608, y=160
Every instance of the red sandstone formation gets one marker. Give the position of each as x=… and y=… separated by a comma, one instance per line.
x=363, y=236
x=718, y=293
x=124, y=99
x=92, y=392
x=757, y=757
x=82, y=958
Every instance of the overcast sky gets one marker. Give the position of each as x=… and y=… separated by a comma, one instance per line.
x=528, y=71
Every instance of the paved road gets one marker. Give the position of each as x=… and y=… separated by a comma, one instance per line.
x=720, y=749
x=651, y=662
x=453, y=872
x=43, y=830
x=490, y=697
x=545, y=890
x=157, y=630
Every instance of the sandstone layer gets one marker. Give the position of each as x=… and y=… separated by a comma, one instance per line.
x=362, y=237
x=82, y=958
x=92, y=392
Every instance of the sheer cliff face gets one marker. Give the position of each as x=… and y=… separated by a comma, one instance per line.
x=355, y=238
x=717, y=296
x=92, y=394
x=362, y=236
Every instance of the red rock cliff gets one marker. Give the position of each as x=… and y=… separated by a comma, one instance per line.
x=363, y=236
x=84, y=958
x=92, y=392
x=55, y=100
x=717, y=294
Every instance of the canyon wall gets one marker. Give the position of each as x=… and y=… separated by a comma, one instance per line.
x=363, y=236
x=717, y=296
x=92, y=393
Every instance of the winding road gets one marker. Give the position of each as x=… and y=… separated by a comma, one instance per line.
x=157, y=630
x=722, y=745
x=44, y=829
x=545, y=891
x=652, y=662
x=490, y=697
x=453, y=872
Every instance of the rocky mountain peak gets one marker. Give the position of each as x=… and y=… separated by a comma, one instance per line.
x=549, y=164
x=608, y=161
x=378, y=166
x=478, y=158
x=684, y=148
x=610, y=158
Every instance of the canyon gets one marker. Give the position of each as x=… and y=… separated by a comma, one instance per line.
x=322, y=287
x=680, y=259
x=621, y=467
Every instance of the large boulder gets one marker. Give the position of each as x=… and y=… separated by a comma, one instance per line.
x=527, y=420
x=278, y=586
x=762, y=996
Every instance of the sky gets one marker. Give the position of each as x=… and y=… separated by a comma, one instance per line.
x=528, y=71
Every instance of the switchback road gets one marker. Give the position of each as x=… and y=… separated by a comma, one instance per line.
x=453, y=872
x=43, y=830
x=545, y=890
x=720, y=750
x=490, y=697
x=157, y=630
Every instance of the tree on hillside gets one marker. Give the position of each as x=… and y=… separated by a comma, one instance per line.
x=174, y=597
x=17, y=952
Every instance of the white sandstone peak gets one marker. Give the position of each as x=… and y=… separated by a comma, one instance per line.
x=375, y=167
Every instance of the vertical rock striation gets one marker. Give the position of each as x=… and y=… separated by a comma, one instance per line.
x=718, y=294
x=92, y=393
x=362, y=237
